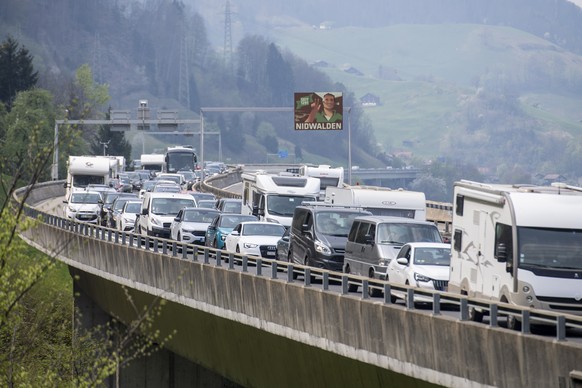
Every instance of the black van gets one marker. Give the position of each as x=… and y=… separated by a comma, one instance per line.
x=319, y=232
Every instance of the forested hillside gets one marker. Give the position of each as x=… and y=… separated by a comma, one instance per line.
x=175, y=54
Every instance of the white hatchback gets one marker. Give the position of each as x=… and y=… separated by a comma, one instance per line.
x=83, y=206
x=421, y=264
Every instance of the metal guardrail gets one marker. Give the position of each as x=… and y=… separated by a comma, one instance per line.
x=290, y=272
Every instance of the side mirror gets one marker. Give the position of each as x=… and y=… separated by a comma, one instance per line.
x=235, y=233
x=255, y=210
x=305, y=228
x=402, y=261
x=65, y=201
x=177, y=219
x=144, y=212
x=369, y=239
x=261, y=212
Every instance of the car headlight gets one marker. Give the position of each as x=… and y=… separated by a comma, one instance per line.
x=250, y=245
x=128, y=220
x=223, y=237
x=72, y=209
x=322, y=248
x=187, y=230
x=155, y=221
x=268, y=219
x=421, y=278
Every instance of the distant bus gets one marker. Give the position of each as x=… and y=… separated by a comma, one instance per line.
x=180, y=158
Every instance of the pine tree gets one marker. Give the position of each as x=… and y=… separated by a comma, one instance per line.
x=16, y=71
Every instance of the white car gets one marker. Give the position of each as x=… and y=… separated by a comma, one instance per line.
x=421, y=264
x=126, y=219
x=83, y=206
x=256, y=238
x=191, y=223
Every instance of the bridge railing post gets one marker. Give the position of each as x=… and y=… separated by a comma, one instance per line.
x=387, y=294
x=345, y=284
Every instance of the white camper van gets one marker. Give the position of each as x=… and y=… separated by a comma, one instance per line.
x=518, y=244
x=274, y=197
x=85, y=170
x=380, y=201
x=328, y=176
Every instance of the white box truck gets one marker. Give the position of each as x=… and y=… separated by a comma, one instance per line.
x=380, y=201
x=156, y=163
x=273, y=197
x=519, y=244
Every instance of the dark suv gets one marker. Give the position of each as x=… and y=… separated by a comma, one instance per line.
x=319, y=233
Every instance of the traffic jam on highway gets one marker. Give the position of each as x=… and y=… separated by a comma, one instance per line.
x=509, y=244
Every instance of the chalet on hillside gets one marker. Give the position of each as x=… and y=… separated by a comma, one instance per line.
x=353, y=70
x=551, y=178
x=370, y=99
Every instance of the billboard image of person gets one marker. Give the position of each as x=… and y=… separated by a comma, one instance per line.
x=318, y=111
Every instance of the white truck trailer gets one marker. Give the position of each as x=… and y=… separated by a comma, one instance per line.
x=84, y=170
x=273, y=197
x=153, y=162
x=519, y=244
x=380, y=201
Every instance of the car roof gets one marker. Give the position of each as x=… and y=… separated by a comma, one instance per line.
x=428, y=245
x=335, y=209
x=260, y=223
x=201, y=210
x=392, y=219
x=169, y=195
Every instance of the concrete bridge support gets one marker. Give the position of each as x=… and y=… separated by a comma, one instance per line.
x=162, y=368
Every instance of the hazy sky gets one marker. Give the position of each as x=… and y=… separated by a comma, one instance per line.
x=577, y=2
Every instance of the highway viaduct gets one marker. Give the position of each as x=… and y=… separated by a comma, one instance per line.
x=268, y=330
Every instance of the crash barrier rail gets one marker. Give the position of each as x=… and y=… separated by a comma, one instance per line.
x=290, y=272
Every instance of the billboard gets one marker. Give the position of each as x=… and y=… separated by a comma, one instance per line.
x=318, y=111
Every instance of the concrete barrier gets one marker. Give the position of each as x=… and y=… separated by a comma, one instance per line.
x=241, y=325
x=262, y=332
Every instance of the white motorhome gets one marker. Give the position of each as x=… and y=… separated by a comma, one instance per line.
x=380, y=201
x=274, y=197
x=328, y=176
x=84, y=170
x=518, y=244
x=153, y=162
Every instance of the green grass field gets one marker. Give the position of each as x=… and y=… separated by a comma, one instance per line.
x=439, y=67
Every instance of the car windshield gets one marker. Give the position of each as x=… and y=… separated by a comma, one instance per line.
x=170, y=206
x=549, y=248
x=133, y=207
x=232, y=221
x=166, y=189
x=199, y=216
x=284, y=205
x=119, y=202
x=173, y=178
x=85, y=198
x=432, y=256
x=335, y=223
x=207, y=204
x=110, y=197
x=232, y=207
x=263, y=230
x=402, y=233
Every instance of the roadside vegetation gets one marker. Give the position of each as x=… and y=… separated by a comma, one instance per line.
x=41, y=339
